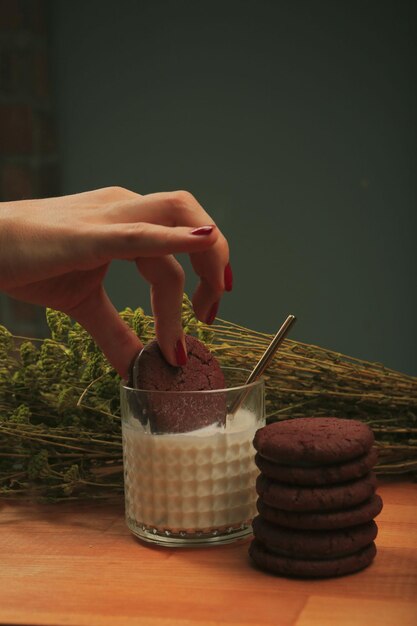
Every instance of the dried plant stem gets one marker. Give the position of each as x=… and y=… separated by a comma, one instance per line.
x=60, y=435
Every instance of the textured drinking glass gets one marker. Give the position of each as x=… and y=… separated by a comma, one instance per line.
x=189, y=466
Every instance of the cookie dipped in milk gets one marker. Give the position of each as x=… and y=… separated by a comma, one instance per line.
x=189, y=464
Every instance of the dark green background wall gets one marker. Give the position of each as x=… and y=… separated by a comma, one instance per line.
x=292, y=122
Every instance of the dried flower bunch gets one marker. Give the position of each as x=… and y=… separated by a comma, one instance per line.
x=60, y=434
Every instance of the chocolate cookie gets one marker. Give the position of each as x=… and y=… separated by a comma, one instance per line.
x=307, y=441
x=295, y=498
x=201, y=372
x=181, y=412
x=309, y=568
x=313, y=544
x=316, y=520
x=323, y=475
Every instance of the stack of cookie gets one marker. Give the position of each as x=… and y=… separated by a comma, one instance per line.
x=317, y=500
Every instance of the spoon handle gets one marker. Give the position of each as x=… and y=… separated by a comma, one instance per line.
x=264, y=361
x=267, y=356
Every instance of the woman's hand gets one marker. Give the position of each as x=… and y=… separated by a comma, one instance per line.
x=56, y=252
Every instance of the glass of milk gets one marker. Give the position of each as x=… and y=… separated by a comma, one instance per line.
x=190, y=480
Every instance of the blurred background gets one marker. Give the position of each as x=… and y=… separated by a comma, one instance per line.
x=292, y=122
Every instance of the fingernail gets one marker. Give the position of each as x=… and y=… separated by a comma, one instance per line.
x=228, y=278
x=180, y=354
x=202, y=230
x=212, y=314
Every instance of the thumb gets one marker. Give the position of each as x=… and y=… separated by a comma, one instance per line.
x=101, y=320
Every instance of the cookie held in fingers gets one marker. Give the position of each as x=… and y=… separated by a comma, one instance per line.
x=177, y=412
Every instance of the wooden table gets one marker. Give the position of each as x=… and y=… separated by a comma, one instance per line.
x=78, y=564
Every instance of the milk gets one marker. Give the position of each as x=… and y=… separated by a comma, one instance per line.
x=201, y=481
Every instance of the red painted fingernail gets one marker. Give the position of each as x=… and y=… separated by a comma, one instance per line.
x=212, y=314
x=228, y=278
x=202, y=230
x=180, y=354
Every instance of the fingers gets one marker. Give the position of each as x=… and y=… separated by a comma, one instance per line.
x=211, y=263
x=101, y=320
x=177, y=210
x=174, y=208
x=212, y=284
x=166, y=277
x=133, y=240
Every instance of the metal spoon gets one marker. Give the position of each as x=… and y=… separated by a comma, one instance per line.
x=256, y=373
x=263, y=362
